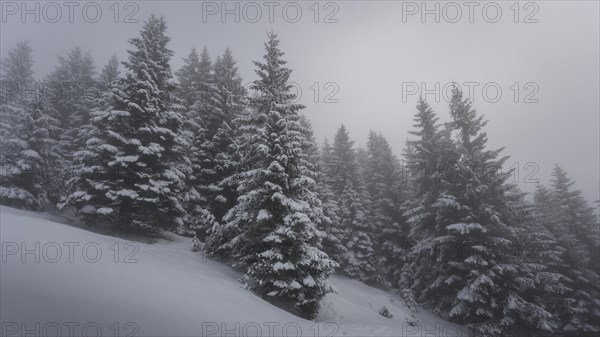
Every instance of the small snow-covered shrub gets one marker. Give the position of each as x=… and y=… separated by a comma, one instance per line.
x=385, y=312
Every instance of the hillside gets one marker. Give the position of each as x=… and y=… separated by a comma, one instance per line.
x=57, y=279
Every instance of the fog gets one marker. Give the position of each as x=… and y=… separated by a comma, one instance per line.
x=371, y=60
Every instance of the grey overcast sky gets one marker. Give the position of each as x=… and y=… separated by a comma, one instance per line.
x=375, y=57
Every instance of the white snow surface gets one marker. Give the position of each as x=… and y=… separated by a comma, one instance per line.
x=164, y=289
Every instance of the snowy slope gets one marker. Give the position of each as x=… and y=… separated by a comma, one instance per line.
x=60, y=280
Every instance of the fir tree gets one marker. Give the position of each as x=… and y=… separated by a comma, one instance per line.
x=128, y=175
x=198, y=220
x=17, y=80
x=275, y=219
x=540, y=283
x=102, y=95
x=72, y=94
x=27, y=150
x=486, y=272
x=28, y=155
x=465, y=229
x=566, y=215
x=210, y=133
x=354, y=216
x=386, y=192
x=332, y=227
x=191, y=79
x=330, y=224
x=74, y=83
x=545, y=257
x=199, y=94
x=427, y=155
x=109, y=74
x=221, y=155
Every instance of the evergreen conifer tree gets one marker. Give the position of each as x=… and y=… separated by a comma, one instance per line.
x=128, y=174
x=276, y=216
x=354, y=216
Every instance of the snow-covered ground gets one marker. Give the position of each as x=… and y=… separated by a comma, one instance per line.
x=59, y=280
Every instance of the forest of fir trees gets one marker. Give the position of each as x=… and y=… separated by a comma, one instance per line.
x=148, y=150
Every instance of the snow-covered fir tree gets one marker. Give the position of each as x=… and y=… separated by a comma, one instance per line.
x=564, y=213
x=72, y=89
x=210, y=134
x=219, y=148
x=332, y=229
x=192, y=77
x=195, y=85
x=539, y=282
x=485, y=274
x=16, y=77
x=127, y=174
x=99, y=98
x=427, y=157
x=466, y=228
x=73, y=84
x=577, y=213
x=386, y=191
x=110, y=73
x=354, y=216
x=27, y=150
x=277, y=241
x=198, y=220
x=102, y=95
x=330, y=224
